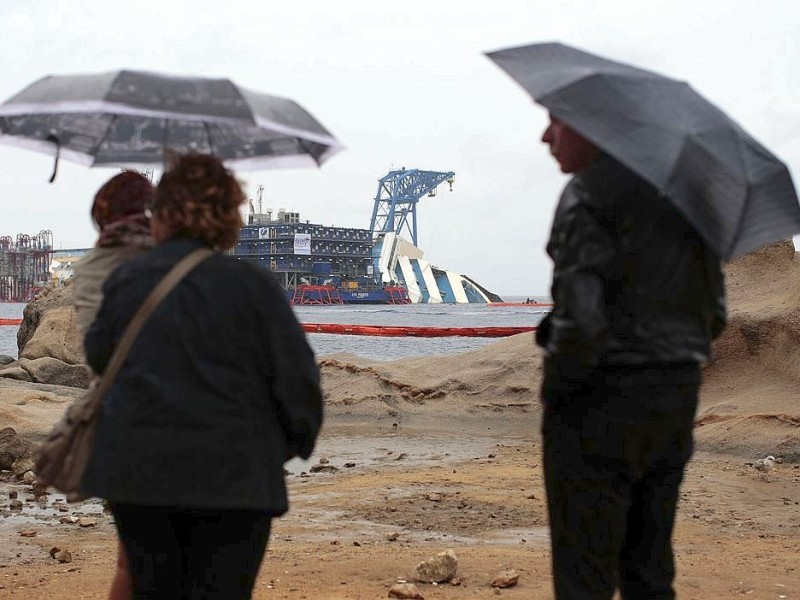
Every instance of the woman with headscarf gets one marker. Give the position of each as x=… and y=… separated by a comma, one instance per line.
x=119, y=212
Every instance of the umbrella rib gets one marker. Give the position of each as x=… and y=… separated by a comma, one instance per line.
x=164, y=145
x=102, y=137
x=212, y=149
x=308, y=151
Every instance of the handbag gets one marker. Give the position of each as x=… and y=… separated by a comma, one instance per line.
x=62, y=458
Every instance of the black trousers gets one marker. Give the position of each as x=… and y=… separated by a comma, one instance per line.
x=179, y=553
x=615, y=449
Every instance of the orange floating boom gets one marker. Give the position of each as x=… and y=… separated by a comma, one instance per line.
x=403, y=331
x=10, y=321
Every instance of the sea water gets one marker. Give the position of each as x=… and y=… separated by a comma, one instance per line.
x=376, y=347
x=8, y=333
x=412, y=315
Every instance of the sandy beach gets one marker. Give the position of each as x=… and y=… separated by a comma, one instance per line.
x=422, y=455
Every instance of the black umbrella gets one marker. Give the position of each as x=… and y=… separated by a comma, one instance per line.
x=126, y=118
x=737, y=194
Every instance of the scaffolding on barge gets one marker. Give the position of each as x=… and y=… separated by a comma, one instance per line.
x=316, y=264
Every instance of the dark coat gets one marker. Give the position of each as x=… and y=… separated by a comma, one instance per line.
x=218, y=391
x=633, y=282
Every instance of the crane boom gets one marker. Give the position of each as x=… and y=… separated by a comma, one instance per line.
x=397, y=197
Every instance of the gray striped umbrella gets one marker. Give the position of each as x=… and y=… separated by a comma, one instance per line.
x=734, y=191
x=127, y=118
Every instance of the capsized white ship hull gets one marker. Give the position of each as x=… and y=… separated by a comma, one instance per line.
x=401, y=263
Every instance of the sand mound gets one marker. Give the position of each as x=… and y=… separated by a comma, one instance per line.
x=749, y=402
x=764, y=312
x=504, y=375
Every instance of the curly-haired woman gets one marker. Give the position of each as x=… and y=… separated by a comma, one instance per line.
x=218, y=391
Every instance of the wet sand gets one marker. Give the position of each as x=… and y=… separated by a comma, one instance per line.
x=400, y=495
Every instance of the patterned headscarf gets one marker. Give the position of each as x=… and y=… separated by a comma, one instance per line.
x=119, y=211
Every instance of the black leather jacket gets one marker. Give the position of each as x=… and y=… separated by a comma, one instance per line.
x=633, y=283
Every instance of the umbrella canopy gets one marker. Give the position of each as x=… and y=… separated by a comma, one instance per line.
x=736, y=193
x=126, y=118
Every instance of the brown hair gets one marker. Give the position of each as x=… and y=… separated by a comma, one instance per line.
x=199, y=198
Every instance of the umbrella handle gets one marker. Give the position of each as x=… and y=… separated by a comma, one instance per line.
x=53, y=138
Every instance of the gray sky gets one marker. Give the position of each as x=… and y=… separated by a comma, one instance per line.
x=400, y=84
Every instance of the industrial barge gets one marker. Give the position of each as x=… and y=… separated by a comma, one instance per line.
x=319, y=264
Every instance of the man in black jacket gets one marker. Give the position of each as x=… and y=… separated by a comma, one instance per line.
x=638, y=297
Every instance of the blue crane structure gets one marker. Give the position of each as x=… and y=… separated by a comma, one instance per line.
x=397, y=197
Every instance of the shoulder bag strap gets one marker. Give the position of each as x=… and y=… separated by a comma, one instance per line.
x=164, y=287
